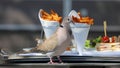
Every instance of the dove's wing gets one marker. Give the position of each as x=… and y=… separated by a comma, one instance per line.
x=49, y=44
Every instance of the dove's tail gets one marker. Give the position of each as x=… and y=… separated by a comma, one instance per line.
x=24, y=51
x=34, y=49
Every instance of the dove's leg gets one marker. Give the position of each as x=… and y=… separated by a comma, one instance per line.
x=51, y=61
x=59, y=59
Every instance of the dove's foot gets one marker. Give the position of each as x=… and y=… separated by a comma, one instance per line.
x=53, y=63
x=60, y=59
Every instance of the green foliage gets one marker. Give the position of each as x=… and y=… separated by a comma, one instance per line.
x=87, y=44
x=92, y=43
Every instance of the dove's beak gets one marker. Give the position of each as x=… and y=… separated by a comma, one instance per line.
x=61, y=25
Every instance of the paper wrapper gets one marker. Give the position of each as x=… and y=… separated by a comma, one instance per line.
x=49, y=27
x=80, y=32
x=74, y=13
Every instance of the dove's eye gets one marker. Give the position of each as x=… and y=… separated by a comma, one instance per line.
x=68, y=19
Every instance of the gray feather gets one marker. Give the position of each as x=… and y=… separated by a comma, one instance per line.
x=58, y=42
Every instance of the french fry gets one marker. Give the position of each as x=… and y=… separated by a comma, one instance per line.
x=53, y=16
x=86, y=20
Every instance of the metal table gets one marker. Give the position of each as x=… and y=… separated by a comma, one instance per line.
x=68, y=61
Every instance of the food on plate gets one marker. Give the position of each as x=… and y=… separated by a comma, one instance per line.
x=108, y=47
x=86, y=20
x=92, y=43
x=52, y=16
x=108, y=44
x=114, y=39
x=88, y=44
x=105, y=39
x=104, y=43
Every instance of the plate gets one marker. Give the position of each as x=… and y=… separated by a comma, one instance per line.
x=94, y=52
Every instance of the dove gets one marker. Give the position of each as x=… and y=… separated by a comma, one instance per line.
x=57, y=43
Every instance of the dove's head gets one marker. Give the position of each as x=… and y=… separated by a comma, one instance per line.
x=66, y=21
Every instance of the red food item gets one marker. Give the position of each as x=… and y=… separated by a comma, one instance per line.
x=105, y=39
x=114, y=39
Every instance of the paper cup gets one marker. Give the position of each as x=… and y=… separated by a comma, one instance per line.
x=49, y=27
x=80, y=33
x=74, y=13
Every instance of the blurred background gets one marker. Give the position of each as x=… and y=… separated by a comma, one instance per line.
x=19, y=23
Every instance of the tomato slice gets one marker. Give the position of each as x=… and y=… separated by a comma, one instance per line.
x=105, y=39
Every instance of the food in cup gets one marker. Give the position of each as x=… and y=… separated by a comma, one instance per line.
x=86, y=20
x=49, y=21
x=80, y=29
x=52, y=16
